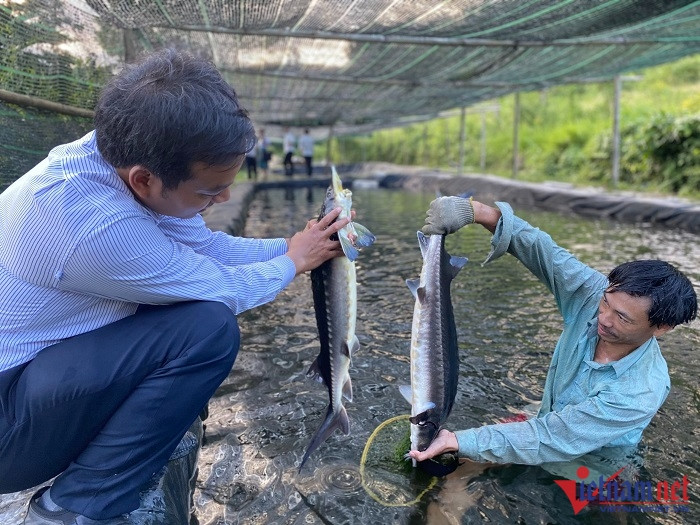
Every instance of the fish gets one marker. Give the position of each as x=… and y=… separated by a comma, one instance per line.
x=334, y=290
x=434, y=349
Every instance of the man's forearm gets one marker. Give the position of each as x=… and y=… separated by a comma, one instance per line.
x=485, y=215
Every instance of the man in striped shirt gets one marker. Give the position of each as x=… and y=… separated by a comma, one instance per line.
x=117, y=304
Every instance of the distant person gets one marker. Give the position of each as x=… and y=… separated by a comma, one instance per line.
x=607, y=377
x=288, y=147
x=264, y=153
x=117, y=304
x=306, y=146
x=251, y=162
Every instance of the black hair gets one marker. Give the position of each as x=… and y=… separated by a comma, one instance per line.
x=673, y=299
x=169, y=111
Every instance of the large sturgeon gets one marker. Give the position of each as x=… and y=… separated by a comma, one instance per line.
x=434, y=351
x=335, y=302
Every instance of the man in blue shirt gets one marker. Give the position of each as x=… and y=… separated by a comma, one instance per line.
x=117, y=304
x=607, y=377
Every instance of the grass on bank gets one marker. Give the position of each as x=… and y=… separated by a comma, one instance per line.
x=565, y=135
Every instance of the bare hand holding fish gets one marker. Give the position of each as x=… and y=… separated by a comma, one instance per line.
x=445, y=441
x=315, y=245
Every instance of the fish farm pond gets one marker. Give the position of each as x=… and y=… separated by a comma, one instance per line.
x=264, y=414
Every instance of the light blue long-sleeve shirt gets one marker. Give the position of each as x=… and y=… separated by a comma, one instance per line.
x=585, y=405
x=78, y=251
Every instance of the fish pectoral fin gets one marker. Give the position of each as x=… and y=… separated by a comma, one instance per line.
x=413, y=285
x=456, y=264
x=314, y=372
x=347, y=390
x=350, y=347
x=348, y=249
x=407, y=393
x=364, y=236
x=424, y=417
x=417, y=290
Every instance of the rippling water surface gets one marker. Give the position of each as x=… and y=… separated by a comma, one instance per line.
x=267, y=410
x=264, y=414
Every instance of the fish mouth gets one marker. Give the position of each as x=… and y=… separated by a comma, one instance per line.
x=441, y=465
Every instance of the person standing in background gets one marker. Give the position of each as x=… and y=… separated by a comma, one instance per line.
x=306, y=145
x=288, y=146
x=251, y=162
x=264, y=153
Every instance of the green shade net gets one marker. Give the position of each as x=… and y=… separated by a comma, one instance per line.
x=356, y=65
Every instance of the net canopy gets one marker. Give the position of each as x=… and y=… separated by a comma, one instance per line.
x=355, y=65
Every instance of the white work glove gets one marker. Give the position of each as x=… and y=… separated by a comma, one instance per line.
x=447, y=215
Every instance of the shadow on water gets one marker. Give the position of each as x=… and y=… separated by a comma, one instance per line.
x=264, y=414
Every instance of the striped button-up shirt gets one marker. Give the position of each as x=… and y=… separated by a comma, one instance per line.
x=586, y=405
x=77, y=252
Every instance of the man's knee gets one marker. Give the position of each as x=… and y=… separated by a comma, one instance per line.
x=216, y=324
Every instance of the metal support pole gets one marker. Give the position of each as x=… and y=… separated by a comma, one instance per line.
x=616, y=131
x=426, y=157
x=328, y=145
x=482, y=159
x=516, y=138
x=462, y=138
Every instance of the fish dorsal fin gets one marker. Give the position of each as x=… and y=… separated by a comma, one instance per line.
x=422, y=242
x=407, y=393
x=456, y=264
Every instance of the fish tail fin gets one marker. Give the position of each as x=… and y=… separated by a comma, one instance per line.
x=333, y=421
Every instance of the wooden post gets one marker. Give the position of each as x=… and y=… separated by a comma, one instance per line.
x=616, y=131
x=129, y=45
x=516, y=138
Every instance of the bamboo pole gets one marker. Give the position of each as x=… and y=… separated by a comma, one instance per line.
x=36, y=102
x=425, y=40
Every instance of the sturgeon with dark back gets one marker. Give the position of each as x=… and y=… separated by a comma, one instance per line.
x=434, y=350
x=335, y=302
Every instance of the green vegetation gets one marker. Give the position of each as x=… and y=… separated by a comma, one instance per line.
x=566, y=135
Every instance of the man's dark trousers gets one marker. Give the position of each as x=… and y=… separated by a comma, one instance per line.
x=288, y=164
x=105, y=409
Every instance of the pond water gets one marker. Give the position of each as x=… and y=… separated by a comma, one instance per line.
x=263, y=416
